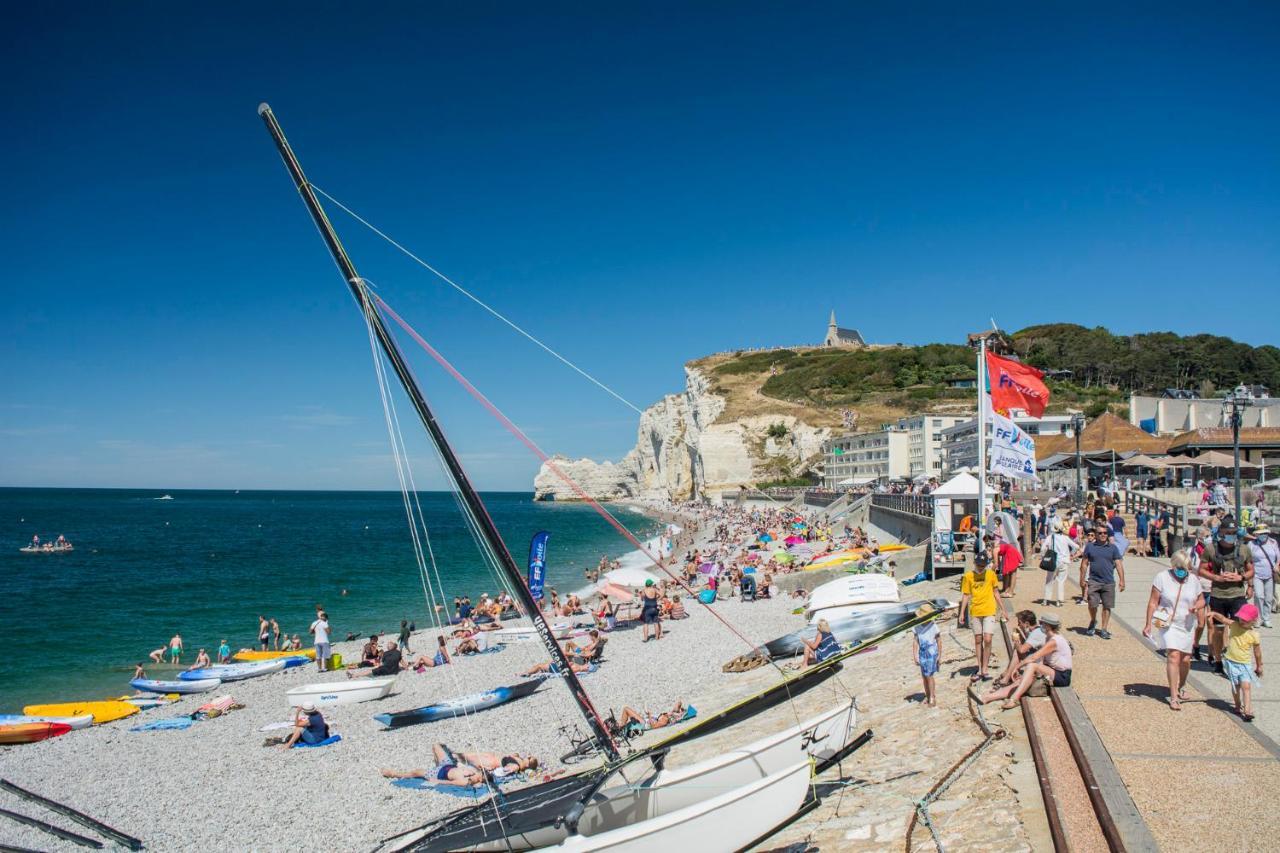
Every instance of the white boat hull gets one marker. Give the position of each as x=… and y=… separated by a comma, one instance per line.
x=851, y=594
x=342, y=692
x=729, y=821
x=668, y=791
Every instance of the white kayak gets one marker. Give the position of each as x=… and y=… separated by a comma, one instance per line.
x=150, y=685
x=81, y=722
x=234, y=671
x=341, y=692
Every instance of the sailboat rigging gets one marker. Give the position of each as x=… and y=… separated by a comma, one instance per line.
x=360, y=290
x=735, y=796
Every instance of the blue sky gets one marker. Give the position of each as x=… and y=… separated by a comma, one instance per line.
x=637, y=184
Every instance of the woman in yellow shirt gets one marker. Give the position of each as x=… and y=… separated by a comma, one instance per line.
x=978, y=602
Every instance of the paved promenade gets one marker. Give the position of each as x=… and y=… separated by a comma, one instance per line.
x=1164, y=756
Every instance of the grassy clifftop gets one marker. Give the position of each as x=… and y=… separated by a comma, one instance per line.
x=884, y=383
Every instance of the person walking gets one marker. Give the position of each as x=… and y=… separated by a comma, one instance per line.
x=1229, y=569
x=1142, y=534
x=926, y=642
x=1244, y=647
x=320, y=628
x=1174, y=608
x=175, y=649
x=405, y=633
x=1265, y=552
x=978, y=603
x=1056, y=554
x=1101, y=572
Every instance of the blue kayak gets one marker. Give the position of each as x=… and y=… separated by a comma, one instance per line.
x=457, y=707
x=150, y=685
x=233, y=671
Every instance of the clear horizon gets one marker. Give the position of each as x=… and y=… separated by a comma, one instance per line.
x=638, y=188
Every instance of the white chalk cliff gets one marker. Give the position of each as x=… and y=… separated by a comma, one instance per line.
x=683, y=451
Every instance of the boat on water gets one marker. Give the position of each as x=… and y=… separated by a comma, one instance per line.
x=618, y=801
x=163, y=498
x=347, y=692
x=848, y=596
x=61, y=545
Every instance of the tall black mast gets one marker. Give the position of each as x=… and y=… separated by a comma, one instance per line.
x=477, y=507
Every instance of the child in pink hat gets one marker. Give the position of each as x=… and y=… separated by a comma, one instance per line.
x=1243, y=659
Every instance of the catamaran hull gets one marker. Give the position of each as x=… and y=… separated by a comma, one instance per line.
x=854, y=629
x=670, y=791
x=729, y=821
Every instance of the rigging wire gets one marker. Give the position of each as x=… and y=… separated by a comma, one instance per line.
x=404, y=473
x=542, y=455
x=504, y=319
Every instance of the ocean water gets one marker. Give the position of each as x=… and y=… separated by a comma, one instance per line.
x=206, y=563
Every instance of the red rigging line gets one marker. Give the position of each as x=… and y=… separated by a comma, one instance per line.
x=542, y=455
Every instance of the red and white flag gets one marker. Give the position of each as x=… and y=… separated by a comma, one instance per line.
x=1014, y=385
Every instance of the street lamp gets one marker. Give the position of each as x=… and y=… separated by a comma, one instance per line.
x=1233, y=407
x=1077, y=425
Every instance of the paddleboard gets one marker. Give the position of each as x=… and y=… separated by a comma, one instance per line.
x=150, y=685
x=249, y=655
x=234, y=672
x=457, y=707
x=31, y=732
x=81, y=722
x=103, y=712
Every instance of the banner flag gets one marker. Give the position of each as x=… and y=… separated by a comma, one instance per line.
x=538, y=563
x=1013, y=451
x=1014, y=385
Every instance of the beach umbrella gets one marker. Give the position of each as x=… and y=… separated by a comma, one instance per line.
x=765, y=537
x=708, y=569
x=783, y=558
x=630, y=576
x=795, y=540
x=620, y=594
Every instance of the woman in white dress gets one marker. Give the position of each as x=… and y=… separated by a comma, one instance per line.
x=1173, y=609
x=1065, y=550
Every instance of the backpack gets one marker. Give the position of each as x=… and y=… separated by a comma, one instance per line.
x=1049, y=559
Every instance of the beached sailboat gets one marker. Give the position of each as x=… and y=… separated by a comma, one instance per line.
x=847, y=596
x=754, y=801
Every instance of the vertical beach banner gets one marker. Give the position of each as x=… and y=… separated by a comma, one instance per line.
x=538, y=563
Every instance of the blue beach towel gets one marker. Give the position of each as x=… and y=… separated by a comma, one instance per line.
x=164, y=725
x=470, y=792
x=331, y=739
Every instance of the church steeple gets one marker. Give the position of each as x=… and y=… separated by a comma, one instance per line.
x=832, y=323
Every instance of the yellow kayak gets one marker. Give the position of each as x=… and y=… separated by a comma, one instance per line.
x=895, y=546
x=103, y=712
x=248, y=654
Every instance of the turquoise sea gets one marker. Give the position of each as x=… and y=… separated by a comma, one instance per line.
x=206, y=563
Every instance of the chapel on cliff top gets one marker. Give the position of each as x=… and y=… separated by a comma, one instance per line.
x=838, y=337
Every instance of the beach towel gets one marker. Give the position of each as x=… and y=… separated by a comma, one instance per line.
x=162, y=725
x=275, y=727
x=470, y=792
x=331, y=739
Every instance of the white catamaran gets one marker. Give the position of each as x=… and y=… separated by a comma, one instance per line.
x=633, y=802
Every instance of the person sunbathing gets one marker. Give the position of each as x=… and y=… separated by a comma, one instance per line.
x=553, y=667
x=371, y=653
x=585, y=652
x=440, y=658
x=646, y=721
x=448, y=769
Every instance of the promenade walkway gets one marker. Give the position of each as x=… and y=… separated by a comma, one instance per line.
x=1168, y=758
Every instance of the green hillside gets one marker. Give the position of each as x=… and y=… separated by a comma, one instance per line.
x=886, y=382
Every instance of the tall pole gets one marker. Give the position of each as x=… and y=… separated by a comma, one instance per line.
x=488, y=529
x=982, y=439
x=1235, y=441
x=1077, y=421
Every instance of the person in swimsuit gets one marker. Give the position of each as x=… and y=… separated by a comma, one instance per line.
x=499, y=766
x=448, y=769
x=275, y=633
x=175, y=649
x=649, y=611
x=371, y=654
x=158, y=655
x=440, y=658
x=264, y=633
x=554, y=667
x=646, y=721
x=138, y=671
x=389, y=664
x=202, y=660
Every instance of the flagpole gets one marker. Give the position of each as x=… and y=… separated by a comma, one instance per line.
x=982, y=441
